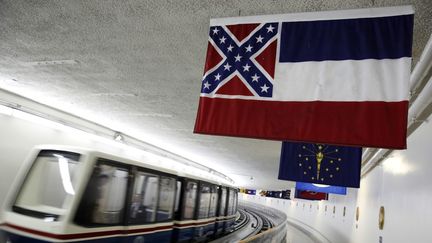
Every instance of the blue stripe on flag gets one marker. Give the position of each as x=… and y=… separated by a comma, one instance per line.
x=321, y=188
x=347, y=39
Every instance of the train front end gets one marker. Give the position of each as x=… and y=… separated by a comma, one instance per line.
x=41, y=200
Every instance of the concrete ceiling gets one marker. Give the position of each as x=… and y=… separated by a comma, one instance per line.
x=136, y=67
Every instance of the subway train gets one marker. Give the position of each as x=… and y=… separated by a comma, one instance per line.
x=66, y=194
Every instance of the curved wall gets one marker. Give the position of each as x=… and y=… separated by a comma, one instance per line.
x=402, y=184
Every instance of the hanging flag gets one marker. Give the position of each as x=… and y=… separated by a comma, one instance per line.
x=321, y=188
x=309, y=195
x=320, y=163
x=338, y=77
x=250, y=191
x=286, y=194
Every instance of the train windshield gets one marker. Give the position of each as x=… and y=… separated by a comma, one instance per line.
x=50, y=185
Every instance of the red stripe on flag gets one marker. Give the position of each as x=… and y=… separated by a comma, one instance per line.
x=366, y=124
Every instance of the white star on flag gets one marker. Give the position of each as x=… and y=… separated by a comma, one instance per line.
x=227, y=66
x=246, y=67
x=264, y=88
x=237, y=58
x=207, y=85
x=222, y=40
x=255, y=78
x=215, y=31
x=270, y=29
x=248, y=48
x=217, y=77
x=259, y=39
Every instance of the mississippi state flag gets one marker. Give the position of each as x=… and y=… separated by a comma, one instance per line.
x=328, y=77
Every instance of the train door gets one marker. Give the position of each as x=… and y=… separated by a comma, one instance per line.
x=151, y=207
x=229, y=225
x=203, y=209
x=221, y=210
x=213, y=210
x=185, y=217
x=103, y=204
x=135, y=201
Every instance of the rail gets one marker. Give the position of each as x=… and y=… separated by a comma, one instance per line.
x=242, y=220
x=273, y=227
x=257, y=223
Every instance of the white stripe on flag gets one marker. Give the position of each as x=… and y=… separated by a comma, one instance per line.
x=350, y=80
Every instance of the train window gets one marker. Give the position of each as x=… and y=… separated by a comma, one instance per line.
x=222, y=204
x=103, y=201
x=177, y=198
x=50, y=182
x=213, y=201
x=166, y=198
x=144, y=198
x=204, y=203
x=190, y=200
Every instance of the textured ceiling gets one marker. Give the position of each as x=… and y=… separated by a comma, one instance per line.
x=138, y=68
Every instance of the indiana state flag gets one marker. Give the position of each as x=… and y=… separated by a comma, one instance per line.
x=320, y=163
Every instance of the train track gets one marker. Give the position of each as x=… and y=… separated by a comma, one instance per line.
x=249, y=223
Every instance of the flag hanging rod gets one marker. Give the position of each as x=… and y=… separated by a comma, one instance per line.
x=420, y=100
x=32, y=107
x=320, y=15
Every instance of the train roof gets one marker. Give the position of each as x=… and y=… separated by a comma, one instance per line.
x=127, y=160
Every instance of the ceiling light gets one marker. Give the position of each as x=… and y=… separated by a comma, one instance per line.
x=397, y=165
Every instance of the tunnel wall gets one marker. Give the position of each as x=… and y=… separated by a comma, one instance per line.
x=402, y=184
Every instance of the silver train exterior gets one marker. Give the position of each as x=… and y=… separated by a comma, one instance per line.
x=67, y=194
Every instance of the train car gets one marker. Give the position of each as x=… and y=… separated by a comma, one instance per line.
x=198, y=219
x=66, y=194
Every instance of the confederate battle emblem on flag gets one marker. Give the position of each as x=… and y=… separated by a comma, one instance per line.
x=241, y=60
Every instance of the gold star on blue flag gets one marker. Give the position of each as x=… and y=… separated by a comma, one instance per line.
x=321, y=163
